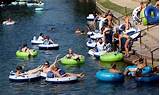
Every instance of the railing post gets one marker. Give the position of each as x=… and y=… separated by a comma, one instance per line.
x=152, y=57
x=140, y=39
x=152, y=54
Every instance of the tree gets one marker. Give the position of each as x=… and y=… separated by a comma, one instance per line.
x=6, y=1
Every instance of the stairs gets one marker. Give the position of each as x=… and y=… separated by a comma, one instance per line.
x=149, y=41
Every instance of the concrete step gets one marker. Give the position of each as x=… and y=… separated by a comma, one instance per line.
x=141, y=50
x=154, y=33
x=130, y=59
x=149, y=42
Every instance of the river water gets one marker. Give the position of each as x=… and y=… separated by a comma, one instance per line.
x=64, y=16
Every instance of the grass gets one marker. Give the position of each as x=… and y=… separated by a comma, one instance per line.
x=109, y=5
x=122, y=10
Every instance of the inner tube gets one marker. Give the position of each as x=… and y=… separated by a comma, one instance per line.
x=96, y=54
x=30, y=4
x=8, y=23
x=38, y=9
x=25, y=54
x=136, y=14
x=24, y=77
x=22, y=3
x=145, y=70
x=111, y=57
x=90, y=17
x=48, y=47
x=71, y=61
x=121, y=28
x=149, y=11
x=35, y=42
x=14, y=3
x=91, y=44
x=68, y=79
x=133, y=33
x=43, y=75
x=151, y=78
x=96, y=36
x=106, y=76
x=90, y=33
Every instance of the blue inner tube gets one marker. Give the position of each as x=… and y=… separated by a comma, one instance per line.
x=105, y=75
x=148, y=14
x=145, y=70
x=151, y=78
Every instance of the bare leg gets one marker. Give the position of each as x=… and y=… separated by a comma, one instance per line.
x=34, y=70
x=120, y=37
x=80, y=75
x=126, y=48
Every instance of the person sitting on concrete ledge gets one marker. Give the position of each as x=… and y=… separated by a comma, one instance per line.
x=127, y=25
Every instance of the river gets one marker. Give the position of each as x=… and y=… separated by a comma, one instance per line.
x=64, y=16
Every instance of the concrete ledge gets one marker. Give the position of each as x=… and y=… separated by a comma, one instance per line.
x=102, y=9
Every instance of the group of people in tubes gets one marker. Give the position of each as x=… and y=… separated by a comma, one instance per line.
x=110, y=36
x=51, y=70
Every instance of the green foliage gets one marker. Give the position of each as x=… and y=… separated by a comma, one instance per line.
x=112, y=6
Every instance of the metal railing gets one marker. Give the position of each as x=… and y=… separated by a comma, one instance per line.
x=143, y=30
x=152, y=51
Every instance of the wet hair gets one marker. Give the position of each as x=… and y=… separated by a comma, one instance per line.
x=82, y=31
x=149, y=1
x=46, y=62
x=110, y=14
x=24, y=45
x=40, y=34
x=19, y=68
x=141, y=59
x=54, y=67
x=107, y=13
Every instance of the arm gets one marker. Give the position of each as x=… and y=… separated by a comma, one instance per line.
x=145, y=61
x=56, y=60
x=119, y=38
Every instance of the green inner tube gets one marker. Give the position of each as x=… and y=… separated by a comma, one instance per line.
x=71, y=61
x=144, y=20
x=111, y=57
x=25, y=54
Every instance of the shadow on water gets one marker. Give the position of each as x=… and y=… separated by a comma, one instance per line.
x=15, y=12
x=85, y=7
